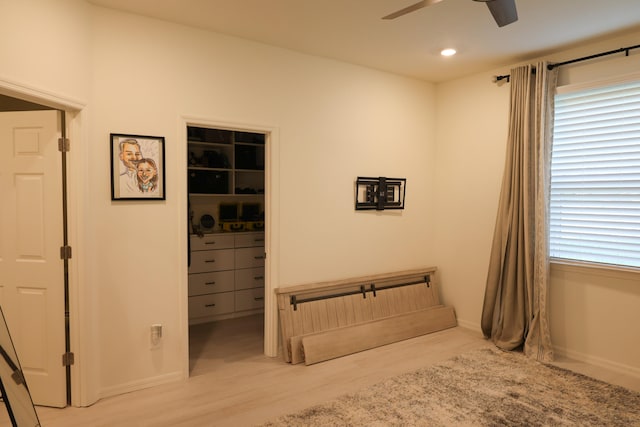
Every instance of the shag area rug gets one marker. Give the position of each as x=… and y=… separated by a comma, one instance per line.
x=482, y=388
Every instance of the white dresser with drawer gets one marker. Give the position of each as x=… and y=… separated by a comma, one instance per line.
x=226, y=276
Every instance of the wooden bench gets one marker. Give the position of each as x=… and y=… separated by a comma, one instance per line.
x=321, y=321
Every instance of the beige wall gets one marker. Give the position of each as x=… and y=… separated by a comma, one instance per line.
x=45, y=48
x=45, y=45
x=593, y=312
x=333, y=122
x=471, y=133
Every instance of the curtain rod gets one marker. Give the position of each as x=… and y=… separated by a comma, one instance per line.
x=571, y=61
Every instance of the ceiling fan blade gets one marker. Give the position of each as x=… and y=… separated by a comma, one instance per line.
x=413, y=7
x=503, y=11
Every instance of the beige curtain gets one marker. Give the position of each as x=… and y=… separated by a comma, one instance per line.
x=515, y=311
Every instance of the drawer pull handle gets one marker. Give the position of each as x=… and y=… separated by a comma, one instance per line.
x=210, y=243
x=259, y=257
x=258, y=240
x=209, y=305
x=258, y=278
x=258, y=298
x=210, y=283
x=210, y=260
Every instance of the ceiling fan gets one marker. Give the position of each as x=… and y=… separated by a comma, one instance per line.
x=503, y=11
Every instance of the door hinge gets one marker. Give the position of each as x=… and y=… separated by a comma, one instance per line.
x=64, y=145
x=65, y=252
x=68, y=359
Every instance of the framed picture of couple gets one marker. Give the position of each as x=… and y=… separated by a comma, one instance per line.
x=137, y=167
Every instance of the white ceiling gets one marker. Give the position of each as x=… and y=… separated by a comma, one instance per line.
x=353, y=31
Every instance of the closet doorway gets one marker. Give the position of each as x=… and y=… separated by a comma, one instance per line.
x=226, y=275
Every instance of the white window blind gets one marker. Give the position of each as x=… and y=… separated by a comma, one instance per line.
x=595, y=176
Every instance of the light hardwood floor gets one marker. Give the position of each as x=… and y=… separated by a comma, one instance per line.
x=233, y=384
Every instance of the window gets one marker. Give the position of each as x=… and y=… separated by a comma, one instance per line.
x=595, y=175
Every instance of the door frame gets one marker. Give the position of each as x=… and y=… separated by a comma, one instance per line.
x=72, y=110
x=272, y=219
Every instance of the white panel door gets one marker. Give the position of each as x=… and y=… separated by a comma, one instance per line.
x=31, y=271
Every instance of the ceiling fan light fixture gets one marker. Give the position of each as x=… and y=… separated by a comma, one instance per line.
x=448, y=52
x=503, y=11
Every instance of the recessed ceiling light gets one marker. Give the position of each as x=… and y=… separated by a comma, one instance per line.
x=448, y=52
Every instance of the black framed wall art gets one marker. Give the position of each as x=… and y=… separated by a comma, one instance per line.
x=137, y=167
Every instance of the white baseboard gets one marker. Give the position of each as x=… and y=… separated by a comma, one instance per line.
x=140, y=385
x=610, y=365
x=473, y=326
